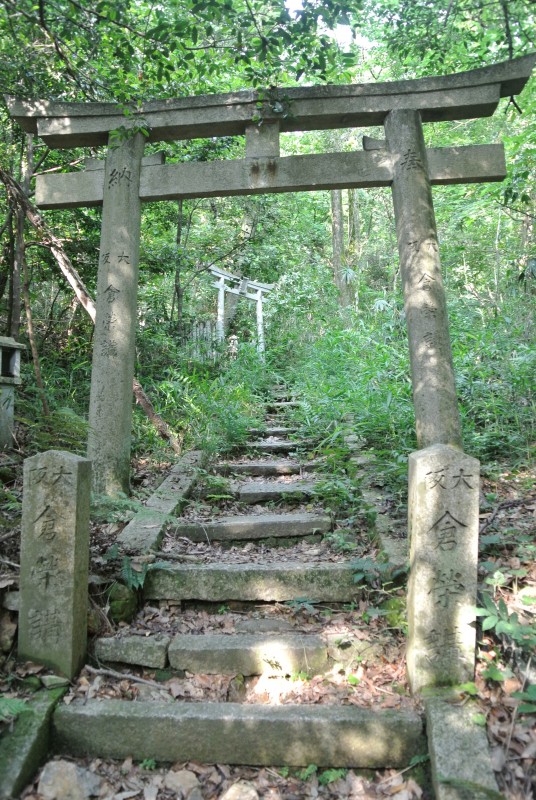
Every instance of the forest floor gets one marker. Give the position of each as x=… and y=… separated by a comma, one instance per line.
x=507, y=569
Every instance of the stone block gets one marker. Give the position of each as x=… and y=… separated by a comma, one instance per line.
x=234, y=733
x=146, y=651
x=255, y=526
x=277, y=446
x=256, y=492
x=258, y=468
x=459, y=755
x=443, y=530
x=54, y=561
x=24, y=748
x=248, y=654
x=324, y=581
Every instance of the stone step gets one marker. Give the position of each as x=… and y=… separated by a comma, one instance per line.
x=318, y=582
x=257, y=492
x=255, y=526
x=275, y=446
x=219, y=654
x=273, y=430
x=263, y=468
x=248, y=654
x=267, y=468
x=258, y=645
x=282, y=405
x=232, y=733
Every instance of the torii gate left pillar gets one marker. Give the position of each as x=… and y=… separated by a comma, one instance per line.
x=110, y=406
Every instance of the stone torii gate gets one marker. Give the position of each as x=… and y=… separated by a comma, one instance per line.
x=443, y=482
x=244, y=287
x=402, y=162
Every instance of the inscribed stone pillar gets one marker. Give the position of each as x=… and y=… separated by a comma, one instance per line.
x=110, y=410
x=10, y=352
x=434, y=390
x=443, y=530
x=54, y=561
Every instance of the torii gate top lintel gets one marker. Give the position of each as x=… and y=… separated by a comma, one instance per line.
x=461, y=95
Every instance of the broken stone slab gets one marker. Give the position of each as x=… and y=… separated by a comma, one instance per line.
x=255, y=526
x=459, y=754
x=248, y=654
x=235, y=733
x=146, y=651
x=280, y=446
x=256, y=492
x=24, y=748
x=146, y=530
x=324, y=581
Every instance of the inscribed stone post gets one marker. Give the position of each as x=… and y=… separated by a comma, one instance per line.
x=10, y=352
x=443, y=529
x=432, y=374
x=54, y=560
x=110, y=410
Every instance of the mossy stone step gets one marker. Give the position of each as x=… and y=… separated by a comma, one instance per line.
x=219, y=654
x=264, y=469
x=271, y=431
x=263, y=492
x=255, y=526
x=248, y=654
x=231, y=733
x=275, y=446
x=318, y=582
x=282, y=405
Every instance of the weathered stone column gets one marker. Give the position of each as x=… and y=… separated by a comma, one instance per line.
x=443, y=482
x=110, y=410
x=434, y=390
x=10, y=351
x=260, y=324
x=443, y=529
x=220, y=318
x=54, y=560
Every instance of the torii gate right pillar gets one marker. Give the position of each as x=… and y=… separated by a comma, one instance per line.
x=432, y=374
x=443, y=481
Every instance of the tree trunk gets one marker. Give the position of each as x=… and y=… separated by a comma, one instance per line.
x=19, y=255
x=31, y=336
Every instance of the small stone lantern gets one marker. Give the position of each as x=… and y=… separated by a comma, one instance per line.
x=10, y=351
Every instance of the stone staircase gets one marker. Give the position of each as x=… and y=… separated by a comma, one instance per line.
x=269, y=556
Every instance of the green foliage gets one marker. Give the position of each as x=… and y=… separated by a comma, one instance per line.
x=10, y=708
x=331, y=775
x=496, y=618
x=374, y=573
x=307, y=772
x=105, y=509
x=528, y=696
x=148, y=764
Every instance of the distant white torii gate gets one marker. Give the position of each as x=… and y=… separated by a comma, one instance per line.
x=252, y=290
